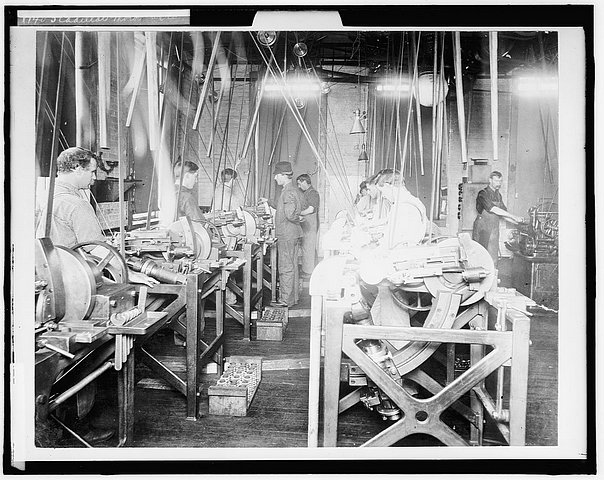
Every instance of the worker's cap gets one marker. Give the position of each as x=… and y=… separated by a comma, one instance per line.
x=283, y=167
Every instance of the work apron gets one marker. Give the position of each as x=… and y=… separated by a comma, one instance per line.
x=310, y=227
x=486, y=231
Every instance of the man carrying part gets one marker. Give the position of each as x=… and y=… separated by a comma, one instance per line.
x=310, y=224
x=491, y=209
x=288, y=232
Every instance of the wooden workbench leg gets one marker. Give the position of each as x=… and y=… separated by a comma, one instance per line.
x=314, y=371
x=274, y=272
x=220, y=328
x=333, y=314
x=259, y=277
x=247, y=291
x=476, y=354
x=125, y=398
x=519, y=381
x=193, y=302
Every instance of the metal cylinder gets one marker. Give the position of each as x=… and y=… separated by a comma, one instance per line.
x=151, y=268
x=81, y=384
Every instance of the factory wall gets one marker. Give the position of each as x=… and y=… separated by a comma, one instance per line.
x=527, y=160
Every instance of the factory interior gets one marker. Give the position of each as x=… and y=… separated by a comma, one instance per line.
x=276, y=239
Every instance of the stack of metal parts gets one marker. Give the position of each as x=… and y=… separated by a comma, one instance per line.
x=235, y=389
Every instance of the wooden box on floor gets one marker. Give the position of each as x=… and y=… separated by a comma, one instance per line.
x=235, y=389
x=273, y=323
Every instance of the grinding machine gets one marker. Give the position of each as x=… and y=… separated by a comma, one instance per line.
x=421, y=335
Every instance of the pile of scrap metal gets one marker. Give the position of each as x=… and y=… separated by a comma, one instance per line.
x=395, y=319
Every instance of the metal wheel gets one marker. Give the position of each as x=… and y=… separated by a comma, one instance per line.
x=105, y=260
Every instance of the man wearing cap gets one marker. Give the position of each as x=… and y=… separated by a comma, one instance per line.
x=491, y=209
x=288, y=232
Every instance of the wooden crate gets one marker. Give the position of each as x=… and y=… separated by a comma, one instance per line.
x=235, y=389
x=273, y=324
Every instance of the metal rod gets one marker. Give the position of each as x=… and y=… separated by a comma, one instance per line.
x=270, y=158
x=139, y=68
x=459, y=97
x=494, y=94
x=152, y=90
x=120, y=168
x=104, y=86
x=204, y=90
x=70, y=392
x=55, y=133
x=417, y=104
x=256, y=113
x=80, y=95
x=65, y=353
x=77, y=437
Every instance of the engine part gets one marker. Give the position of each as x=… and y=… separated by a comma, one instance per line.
x=151, y=268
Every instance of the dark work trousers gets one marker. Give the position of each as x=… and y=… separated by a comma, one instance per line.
x=309, y=243
x=486, y=232
x=288, y=251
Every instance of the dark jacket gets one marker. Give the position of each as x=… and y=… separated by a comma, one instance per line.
x=287, y=216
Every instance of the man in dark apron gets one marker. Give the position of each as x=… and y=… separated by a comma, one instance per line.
x=491, y=209
x=310, y=223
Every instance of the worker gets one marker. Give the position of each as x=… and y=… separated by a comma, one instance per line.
x=310, y=224
x=288, y=232
x=403, y=213
x=228, y=195
x=187, y=203
x=491, y=209
x=74, y=221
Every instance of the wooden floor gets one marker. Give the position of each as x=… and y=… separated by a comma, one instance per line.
x=278, y=414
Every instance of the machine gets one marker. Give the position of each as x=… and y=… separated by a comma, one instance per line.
x=396, y=324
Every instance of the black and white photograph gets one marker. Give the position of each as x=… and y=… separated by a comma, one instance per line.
x=323, y=234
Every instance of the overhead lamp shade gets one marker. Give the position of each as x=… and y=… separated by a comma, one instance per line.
x=357, y=126
x=363, y=156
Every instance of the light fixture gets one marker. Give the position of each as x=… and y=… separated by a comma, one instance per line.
x=299, y=103
x=300, y=49
x=266, y=38
x=357, y=126
x=427, y=90
x=363, y=157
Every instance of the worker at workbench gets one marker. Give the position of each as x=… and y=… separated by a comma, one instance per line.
x=185, y=179
x=227, y=194
x=74, y=221
x=491, y=209
x=310, y=224
x=288, y=232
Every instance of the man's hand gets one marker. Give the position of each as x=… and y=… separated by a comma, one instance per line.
x=139, y=277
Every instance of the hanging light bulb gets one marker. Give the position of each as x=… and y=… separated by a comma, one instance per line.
x=357, y=126
x=363, y=157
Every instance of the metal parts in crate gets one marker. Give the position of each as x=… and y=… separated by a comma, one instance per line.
x=235, y=389
x=273, y=324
